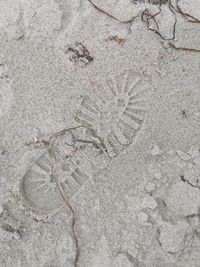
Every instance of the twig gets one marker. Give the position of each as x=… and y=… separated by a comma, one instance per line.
x=101, y=144
x=115, y=38
x=150, y=16
x=186, y=15
x=50, y=144
x=62, y=132
x=184, y=48
x=73, y=222
x=112, y=16
x=79, y=53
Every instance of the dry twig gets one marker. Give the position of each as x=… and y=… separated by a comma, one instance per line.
x=186, y=15
x=115, y=38
x=146, y=14
x=73, y=222
x=110, y=15
x=150, y=16
x=184, y=48
x=49, y=145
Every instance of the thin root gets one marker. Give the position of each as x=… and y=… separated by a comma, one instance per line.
x=146, y=14
x=112, y=16
x=184, y=48
x=73, y=222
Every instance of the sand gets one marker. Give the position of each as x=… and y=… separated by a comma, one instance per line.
x=99, y=133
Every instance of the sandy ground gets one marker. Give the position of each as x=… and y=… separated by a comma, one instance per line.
x=99, y=133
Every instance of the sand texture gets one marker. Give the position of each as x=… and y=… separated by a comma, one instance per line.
x=99, y=133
